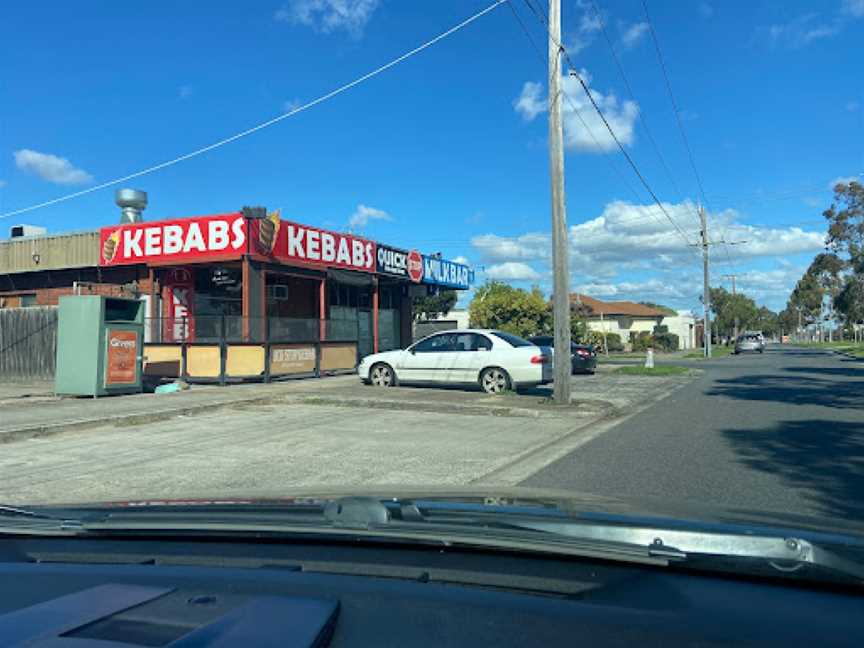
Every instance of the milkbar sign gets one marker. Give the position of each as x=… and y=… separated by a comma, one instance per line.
x=175, y=240
x=441, y=272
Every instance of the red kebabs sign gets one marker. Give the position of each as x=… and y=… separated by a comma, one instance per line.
x=187, y=240
x=183, y=239
x=304, y=244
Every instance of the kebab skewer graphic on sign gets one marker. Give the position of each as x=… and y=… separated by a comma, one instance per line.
x=268, y=231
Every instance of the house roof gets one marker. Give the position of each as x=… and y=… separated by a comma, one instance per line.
x=628, y=308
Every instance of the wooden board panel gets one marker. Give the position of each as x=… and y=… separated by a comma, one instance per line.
x=202, y=361
x=244, y=361
x=288, y=359
x=163, y=360
x=338, y=356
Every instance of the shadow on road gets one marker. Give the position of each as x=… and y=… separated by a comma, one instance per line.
x=829, y=371
x=795, y=389
x=824, y=457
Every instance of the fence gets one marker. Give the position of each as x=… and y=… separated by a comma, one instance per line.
x=235, y=328
x=209, y=348
x=225, y=348
x=28, y=343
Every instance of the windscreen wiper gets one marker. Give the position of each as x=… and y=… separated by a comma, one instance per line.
x=15, y=520
x=783, y=554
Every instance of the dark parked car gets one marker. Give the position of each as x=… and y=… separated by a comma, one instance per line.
x=583, y=357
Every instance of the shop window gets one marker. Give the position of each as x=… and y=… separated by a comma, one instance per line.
x=28, y=300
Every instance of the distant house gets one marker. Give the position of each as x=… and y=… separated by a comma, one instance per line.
x=627, y=319
x=624, y=318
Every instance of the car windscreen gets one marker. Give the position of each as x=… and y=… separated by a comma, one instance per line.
x=512, y=340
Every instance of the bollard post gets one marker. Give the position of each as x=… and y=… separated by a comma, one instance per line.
x=649, y=358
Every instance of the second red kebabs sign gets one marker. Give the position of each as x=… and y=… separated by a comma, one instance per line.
x=197, y=239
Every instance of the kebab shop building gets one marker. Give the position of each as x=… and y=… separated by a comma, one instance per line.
x=239, y=296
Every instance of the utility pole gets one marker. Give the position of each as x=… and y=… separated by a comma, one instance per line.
x=560, y=266
x=706, y=299
x=732, y=277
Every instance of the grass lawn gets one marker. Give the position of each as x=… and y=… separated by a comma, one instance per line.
x=844, y=346
x=657, y=370
x=716, y=352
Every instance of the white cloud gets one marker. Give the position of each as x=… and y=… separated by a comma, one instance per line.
x=50, y=167
x=621, y=115
x=512, y=271
x=528, y=247
x=631, y=251
x=461, y=259
x=648, y=290
x=185, y=91
x=854, y=8
x=803, y=30
x=589, y=24
x=706, y=10
x=291, y=105
x=843, y=180
x=327, y=16
x=530, y=101
x=363, y=214
x=633, y=34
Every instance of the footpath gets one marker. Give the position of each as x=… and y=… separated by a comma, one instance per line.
x=31, y=410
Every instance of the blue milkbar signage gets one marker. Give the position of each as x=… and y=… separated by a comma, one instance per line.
x=441, y=272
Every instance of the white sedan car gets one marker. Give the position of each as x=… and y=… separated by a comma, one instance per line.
x=495, y=360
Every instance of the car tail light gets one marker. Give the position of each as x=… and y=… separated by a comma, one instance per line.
x=583, y=353
x=540, y=359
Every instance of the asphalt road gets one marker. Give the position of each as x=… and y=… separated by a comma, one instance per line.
x=781, y=432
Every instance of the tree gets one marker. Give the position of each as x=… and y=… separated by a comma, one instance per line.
x=501, y=306
x=433, y=306
x=850, y=300
x=728, y=307
x=806, y=298
x=579, y=332
x=787, y=320
x=845, y=219
x=766, y=321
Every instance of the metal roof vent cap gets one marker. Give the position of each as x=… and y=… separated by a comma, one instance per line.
x=131, y=203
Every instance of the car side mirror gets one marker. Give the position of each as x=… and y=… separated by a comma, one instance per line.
x=412, y=351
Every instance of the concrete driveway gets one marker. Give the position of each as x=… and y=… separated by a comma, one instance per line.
x=307, y=434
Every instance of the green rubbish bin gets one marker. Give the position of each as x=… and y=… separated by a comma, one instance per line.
x=99, y=345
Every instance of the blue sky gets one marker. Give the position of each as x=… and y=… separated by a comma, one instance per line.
x=447, y=151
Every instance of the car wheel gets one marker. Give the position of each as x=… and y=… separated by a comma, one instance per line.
x=494, y=380
x=381, y=375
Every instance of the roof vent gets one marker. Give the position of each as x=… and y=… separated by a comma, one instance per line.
x=131, y=203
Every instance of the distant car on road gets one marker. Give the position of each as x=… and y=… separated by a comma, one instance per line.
x=583, y=357
x=749, y=343
x=494, y=360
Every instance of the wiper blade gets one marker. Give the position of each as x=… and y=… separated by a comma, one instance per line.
x=20, y=521
x=785, y=555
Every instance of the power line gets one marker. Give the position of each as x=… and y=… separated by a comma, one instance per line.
x=266, y=124
x=678, y=121
x=632, y=96
x=621, y=148
x=674, y=103
x=571, y=102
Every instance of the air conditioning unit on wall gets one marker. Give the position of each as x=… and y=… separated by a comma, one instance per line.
x=277, y=291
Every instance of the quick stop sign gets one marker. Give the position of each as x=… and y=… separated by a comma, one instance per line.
x=415, y=266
